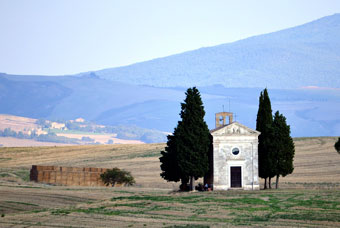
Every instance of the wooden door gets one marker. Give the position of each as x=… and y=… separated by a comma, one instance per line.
x=236, y=175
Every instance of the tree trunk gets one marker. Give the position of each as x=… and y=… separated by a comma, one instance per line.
x=270, y=183
x=277, y=181
x=265, y=183
x=192, y=180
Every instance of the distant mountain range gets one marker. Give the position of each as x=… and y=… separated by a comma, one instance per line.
x=148, y=94
x=310, y=112
x=307, y=55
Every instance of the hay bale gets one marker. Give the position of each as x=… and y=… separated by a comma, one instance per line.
x=40, y=168
x=94, y=169
x=82, y=176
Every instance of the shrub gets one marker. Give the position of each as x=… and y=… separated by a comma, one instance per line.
x=115, y=175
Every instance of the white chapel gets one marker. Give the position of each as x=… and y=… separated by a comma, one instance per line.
x=234, y=157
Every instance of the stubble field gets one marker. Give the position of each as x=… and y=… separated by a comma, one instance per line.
x=310, y=197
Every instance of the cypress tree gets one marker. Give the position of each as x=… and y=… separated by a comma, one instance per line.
x=186, y=156
x=337, y=145
x=169, y=165
x=282, y=147
x=263, y=124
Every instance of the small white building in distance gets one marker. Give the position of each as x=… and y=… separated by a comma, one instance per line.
x=234, y=157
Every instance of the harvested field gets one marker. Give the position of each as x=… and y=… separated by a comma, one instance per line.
x=316, y=161
x=101, y=138
x=17, y=123
x=26, y=125
x=310, y=197
x=141, y=160
x=55, y=206
x=15, y=142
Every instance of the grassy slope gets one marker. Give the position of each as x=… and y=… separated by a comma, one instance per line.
x=304, y=200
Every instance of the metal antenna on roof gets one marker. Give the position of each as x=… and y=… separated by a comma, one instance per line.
x=229, y=104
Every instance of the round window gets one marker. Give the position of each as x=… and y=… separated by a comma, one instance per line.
x=235, y=151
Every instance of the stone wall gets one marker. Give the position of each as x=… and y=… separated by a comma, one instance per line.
x=67, y=175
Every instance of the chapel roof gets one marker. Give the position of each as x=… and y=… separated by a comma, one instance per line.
x=235, y=123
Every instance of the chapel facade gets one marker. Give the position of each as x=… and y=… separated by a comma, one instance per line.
x=233, y=160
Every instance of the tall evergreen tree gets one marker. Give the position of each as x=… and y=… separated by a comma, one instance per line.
x=337, y=145
x=282, y=147
x=169, y=164
x=186, y=156
x=263, y=124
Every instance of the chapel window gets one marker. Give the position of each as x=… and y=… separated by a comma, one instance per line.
x=235, y=151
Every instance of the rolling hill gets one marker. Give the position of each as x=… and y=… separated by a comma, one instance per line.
x=309, y=111
x=307, y=55
x=148, y=94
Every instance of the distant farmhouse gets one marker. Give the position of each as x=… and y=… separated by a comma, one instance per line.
x=56, y=125
x=78, y=120
x=234, y=158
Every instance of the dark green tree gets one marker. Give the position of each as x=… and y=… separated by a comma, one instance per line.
x=186, y=156
x=169, y=163
x=264, y=122
x=116, y=175
x=337, y=145
x=282, y=148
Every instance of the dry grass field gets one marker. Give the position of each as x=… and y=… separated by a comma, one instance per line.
x=15, y=142
x=17, y=123
x=25, y=125
x=101, y=138
x=310, y=197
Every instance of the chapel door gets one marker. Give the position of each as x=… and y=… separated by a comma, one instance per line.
x=235, y=173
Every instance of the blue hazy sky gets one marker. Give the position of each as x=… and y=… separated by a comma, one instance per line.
x=71, y=36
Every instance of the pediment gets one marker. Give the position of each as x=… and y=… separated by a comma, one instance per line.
x=234, y=128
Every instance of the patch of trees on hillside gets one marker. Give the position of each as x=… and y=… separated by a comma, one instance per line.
x=130, y=132
x=50, y=137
